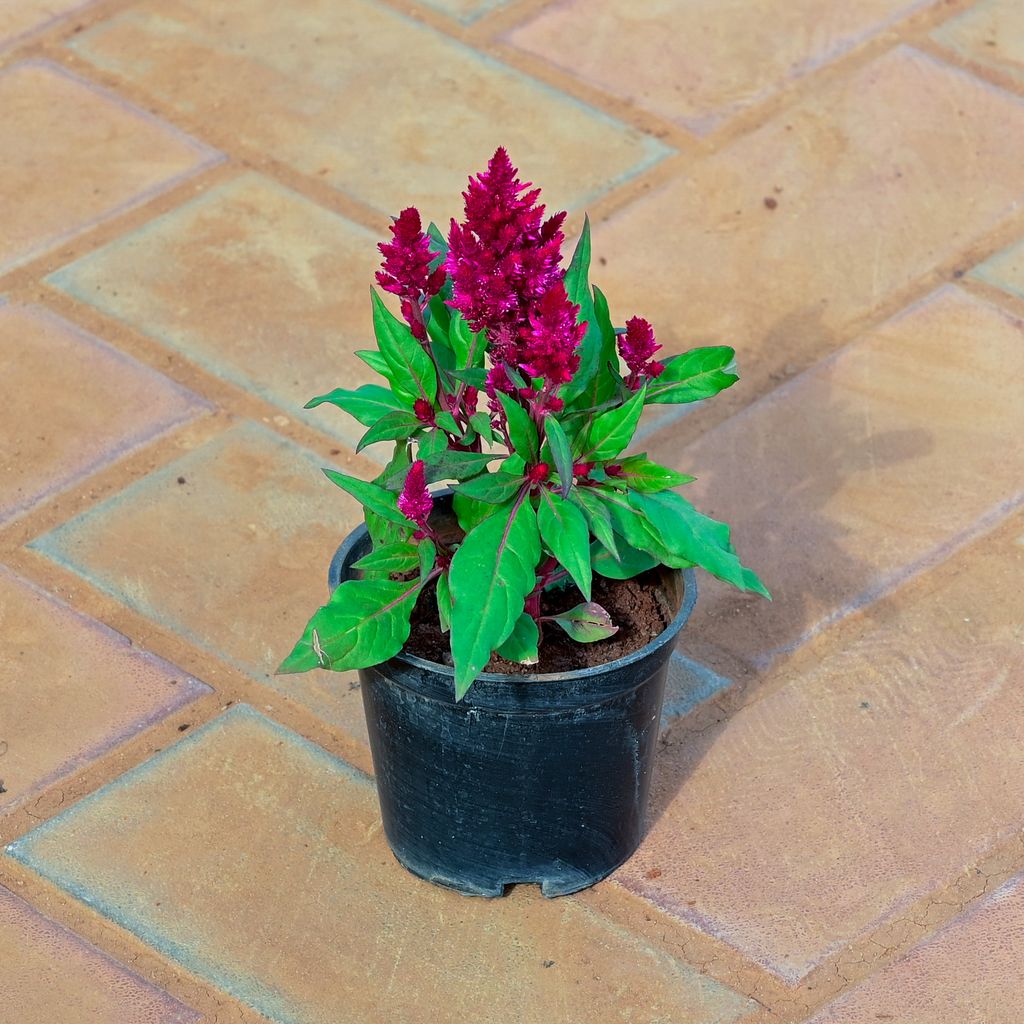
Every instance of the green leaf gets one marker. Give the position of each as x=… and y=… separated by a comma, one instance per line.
x=627, y=563
x=494, y=488
x=375, y=361
x=611, y=431
x=641, y=474
x=438, y=243
x=367, y=403
x=493, y=571
x=383, y=531
x=521, y=429
x=444, y=603
x=452, y=465
x=398, y=557
x=564, y=530
x=364, y=623
x=475, y=376
x=514, y=464
x=691, y=535
x=432, y=445
x=692, y=376
x=586, y=623
x=481, y=423
x=413, y=372
x=521, y=645
x=561, y=452
x=598, y=516
x=634, y=526
x=446, y=421
x=392, y=476
x=393, y=426
x=426, y=554
x=371, y=496
x=469, y=512
x=467, y=345
x=577, y=286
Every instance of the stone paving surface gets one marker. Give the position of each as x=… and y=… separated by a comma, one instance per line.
x=190, y=195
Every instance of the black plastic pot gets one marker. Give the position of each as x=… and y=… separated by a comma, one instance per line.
x=540, y=778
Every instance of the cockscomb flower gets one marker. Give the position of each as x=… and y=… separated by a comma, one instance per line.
x=415, y=502
x=406, y=271
x=497, y=380
x=423, y=411
x=504, y=256
x=636, y=347
x=550, y=341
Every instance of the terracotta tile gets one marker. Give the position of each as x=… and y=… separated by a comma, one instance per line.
x=860, y=212
x=71, y=405
x=253, y=282
x=971, y=971
x=19, y=18
x=862, y=470
x=274, y=866
x=381, y=107
x=48, y=975
x=698, y=63
x=76, y=154
x=234, y=559
x=886, y=763
x=71, y=689
x=991, y=33
x=1004, y=270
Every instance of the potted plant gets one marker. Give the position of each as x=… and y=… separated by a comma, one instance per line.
x=512, y=631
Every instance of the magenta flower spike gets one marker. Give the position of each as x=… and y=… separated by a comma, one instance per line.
x=636, y=347
x=406, y=271
x=415, y=502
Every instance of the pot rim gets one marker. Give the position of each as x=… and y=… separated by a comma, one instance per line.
x=346, y=550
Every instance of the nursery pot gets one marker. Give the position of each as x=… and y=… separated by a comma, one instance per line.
x=538, y=778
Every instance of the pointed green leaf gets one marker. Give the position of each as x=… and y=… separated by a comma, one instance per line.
x=375, y=361
x=367, y=403
x=470, y=513
x=468, y=345
x=586, y=623
x=611, y=431
x=694, y=375
x=577, y=286
x=393, y=426
x=521, y=429
x=691, y=535
x=492, y=572
x=564, y=530
x=392, y=476
x=598, y=516
x=561, y=452
x=481, y=423
x=426, y=553
x=398, y=557
x=453, y=465
x=371, y=496
x=494, y=488
x=412, y=371
x=627, y=563
x=629, y=523
x=475, y=376
x=638, y=472
x=444, y=603
x=364, y=623
x=437, y=241
x=521, y=645
x=383, y=531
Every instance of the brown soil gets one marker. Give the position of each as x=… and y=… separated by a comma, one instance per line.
x=636, y=607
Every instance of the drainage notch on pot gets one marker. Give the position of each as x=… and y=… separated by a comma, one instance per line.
x=540, y=778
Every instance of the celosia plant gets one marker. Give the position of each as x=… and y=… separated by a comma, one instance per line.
x=542, y=490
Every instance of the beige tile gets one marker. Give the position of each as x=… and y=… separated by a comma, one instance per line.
x=18, y=18
x=876, y=179
x=991, y=33
x=49, y=975
x=257, y=861
x=71, y=405
x=382, y=108
x=252, y=281
x=886, y=763
x=1004, y=270
x=74, y=155
x=70, y=690
x=971, y=971
x=699, y=62
x=862, y=470
x=228, y=547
